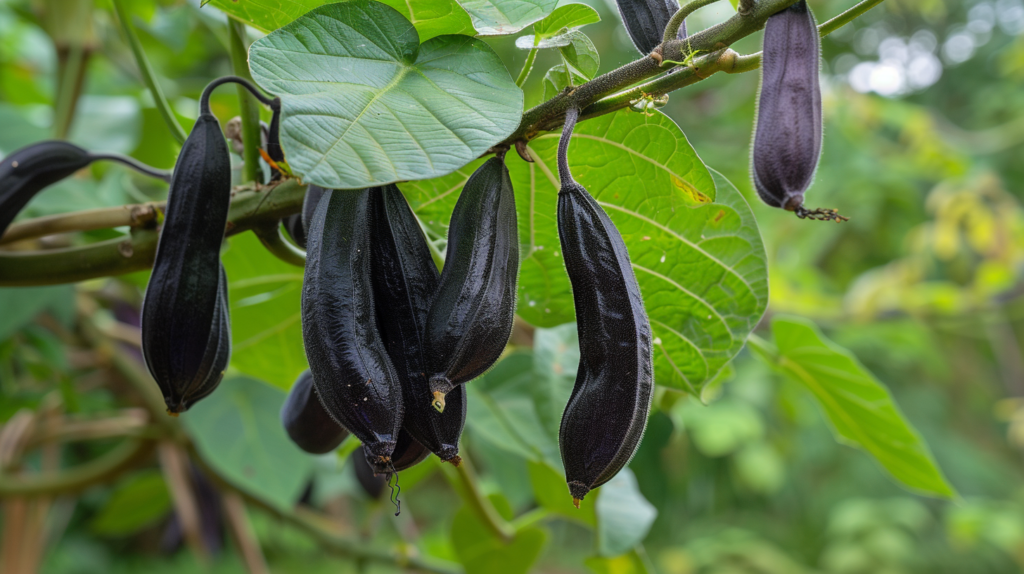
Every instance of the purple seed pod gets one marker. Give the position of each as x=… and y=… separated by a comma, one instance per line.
x=645, y=21
x=787, y=133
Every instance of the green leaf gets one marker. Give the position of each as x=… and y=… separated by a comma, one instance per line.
x=498, y=17
x=566, y=17
x=434, y=17
x=556, y=356
x=266, y=15
x=502, y=412
x=480, y=551
x=699, y=259
x=137, y=502
x=581, y=54
x=557, y=79
x=19, y=305
x=623, y=515
x=265, y=295
x=631, y=563
x=363, y=103
x=556, y=30
x=238, y=432
x=430, y=17
x=551, y=492
x=859, y=407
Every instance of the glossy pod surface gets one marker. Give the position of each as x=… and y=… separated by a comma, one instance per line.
x=471, y=318
x=353, y=375
x=787, y=135
x=645, y=21
x=185, y=334
x=27, y=171
x=307, y=423
x=405, y=280
x=607, y=412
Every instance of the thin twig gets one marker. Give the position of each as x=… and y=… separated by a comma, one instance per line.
x=241, y=529
x=148, y=75
x=465, y=482
x=672, y=28
x=87, y=220
x=175, y=467
x=272, y=237
x=247, y=103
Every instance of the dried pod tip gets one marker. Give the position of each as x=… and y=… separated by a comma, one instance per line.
x=438, y=402
x=819, y=214
x=455, y=461
x=578, y=490
x=172, y=413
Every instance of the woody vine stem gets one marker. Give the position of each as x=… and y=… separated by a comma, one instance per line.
x=257, y=207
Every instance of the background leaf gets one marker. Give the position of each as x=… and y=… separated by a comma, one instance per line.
x=479, y=551
x=570, y=15
x=265, y=295
x=137, y=502
x=430, y=17
x=859, y=407
x=623, y=515
x=498, y=17
x=238, y=432
x=363, y=103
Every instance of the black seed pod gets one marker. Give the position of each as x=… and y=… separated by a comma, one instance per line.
x=408, y=452
x=297, y=225
x=373, y=484
x=787, y=135
x=184, y=305
x=27, y=171
x=405, y=280
x=353, y=375
x=307, y=423
x=607, y=412
x=471, y=318
x=645, y=21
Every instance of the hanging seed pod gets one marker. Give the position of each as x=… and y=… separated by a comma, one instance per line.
x=787, y=132
x=180, y=310
x=27, y=171
x=645, y=21
x=354, y=377
x=470, y=319
x=307, y=423
x=405, y=280
x=185, y=328
x=607, y=412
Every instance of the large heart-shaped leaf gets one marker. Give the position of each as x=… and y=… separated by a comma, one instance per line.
x=431, y=17
x=497, y=17
x=238, y=432
x=363, y=103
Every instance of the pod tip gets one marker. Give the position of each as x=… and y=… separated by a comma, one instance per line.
x=438, y=402
x=576, y=503
x=455, y=461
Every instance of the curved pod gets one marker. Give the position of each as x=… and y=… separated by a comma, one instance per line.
x=405, y=280
x=185, y=333
x=787, y=133
x=352, y=372
x=307, y=423
x=607, y=412
x=471, y=317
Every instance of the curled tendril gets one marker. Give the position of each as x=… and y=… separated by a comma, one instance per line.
x=395, y=489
